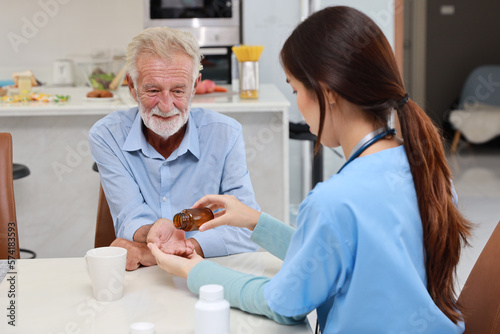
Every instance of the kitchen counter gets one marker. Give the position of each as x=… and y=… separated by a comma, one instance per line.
x=57, y=203
x=270, y=99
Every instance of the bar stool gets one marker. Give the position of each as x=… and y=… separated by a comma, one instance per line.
x=18, y=172
x=300, y=131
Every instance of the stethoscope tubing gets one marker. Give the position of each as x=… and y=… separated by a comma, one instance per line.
x=366, y=142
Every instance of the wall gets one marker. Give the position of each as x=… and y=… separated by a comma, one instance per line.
x=269, y=23
x=456, y=44
x=34, y=33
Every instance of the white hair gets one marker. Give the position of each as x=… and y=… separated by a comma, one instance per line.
x=163, y=42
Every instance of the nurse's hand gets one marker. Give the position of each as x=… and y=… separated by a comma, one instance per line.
x=234, y=212
x=174, y=264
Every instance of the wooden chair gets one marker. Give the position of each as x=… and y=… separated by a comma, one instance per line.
x=480, y=296
x=9, y=240
x=105, y=229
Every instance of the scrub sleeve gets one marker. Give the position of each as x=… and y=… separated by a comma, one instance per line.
x=245, y=291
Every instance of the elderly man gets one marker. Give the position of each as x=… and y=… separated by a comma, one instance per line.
x=160, y=157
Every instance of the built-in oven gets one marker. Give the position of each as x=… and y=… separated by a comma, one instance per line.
x=217, y=64
x=216, y=25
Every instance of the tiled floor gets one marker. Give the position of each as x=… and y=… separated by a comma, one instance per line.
x=476, y=174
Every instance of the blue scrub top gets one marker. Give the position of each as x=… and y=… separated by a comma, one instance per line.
x=357, y=255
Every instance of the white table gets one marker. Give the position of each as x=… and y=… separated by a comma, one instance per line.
x=55, y=296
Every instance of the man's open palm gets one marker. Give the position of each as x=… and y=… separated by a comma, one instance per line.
x=169, y=239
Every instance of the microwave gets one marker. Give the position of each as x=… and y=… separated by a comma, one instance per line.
x=212, y=22
x=216, y=25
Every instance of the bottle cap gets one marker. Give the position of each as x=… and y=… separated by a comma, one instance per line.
x=212, y=292
x=142, y=328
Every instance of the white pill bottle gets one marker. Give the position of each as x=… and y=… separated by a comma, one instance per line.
x=211, y=311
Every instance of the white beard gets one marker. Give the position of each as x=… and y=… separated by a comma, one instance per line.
x=161, y=126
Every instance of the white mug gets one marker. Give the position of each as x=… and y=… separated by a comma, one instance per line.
x=106, y=267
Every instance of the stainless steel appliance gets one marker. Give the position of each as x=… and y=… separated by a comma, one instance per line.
x=216, y=25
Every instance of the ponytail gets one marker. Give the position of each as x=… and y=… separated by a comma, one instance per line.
x=445, y=230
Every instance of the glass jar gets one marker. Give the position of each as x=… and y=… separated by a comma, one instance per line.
x=192, y=219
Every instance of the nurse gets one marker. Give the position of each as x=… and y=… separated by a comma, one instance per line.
x=377, y=244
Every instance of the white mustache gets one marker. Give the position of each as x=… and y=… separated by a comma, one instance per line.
x=156, y=111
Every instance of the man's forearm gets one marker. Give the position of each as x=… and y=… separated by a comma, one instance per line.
x=141, y=233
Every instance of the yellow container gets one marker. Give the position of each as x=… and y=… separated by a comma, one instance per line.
x=24, y=84
x=248, y=58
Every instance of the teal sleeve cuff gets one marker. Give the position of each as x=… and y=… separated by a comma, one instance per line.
x=241, y=290
x=273, y=235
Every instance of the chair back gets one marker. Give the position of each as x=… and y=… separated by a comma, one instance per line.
x=9, y=240
x=105, y=229
x=481, y=86
x=480, y=296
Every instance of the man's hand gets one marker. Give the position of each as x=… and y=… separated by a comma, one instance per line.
x=138, y=253
x=197, y=247
x=175, y=265
x=169, y=239
x=141, y=233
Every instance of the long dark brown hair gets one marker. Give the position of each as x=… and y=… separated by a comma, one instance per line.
x=342, y=48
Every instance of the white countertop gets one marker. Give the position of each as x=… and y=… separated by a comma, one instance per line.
x=270, y=99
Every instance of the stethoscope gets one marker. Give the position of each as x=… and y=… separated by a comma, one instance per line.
x=366, y=142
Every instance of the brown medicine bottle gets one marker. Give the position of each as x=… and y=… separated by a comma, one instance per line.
x=192, y=219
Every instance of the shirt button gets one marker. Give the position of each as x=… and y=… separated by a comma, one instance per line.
x=164, y=163
x=164, y=199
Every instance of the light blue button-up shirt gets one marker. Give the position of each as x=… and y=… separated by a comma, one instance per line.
x=142, y=186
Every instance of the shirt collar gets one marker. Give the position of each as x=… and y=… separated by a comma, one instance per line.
x=190, y=142
x=137, y=141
